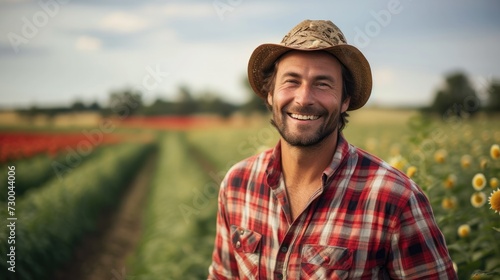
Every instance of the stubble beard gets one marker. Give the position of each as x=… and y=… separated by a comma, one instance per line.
x=311, y=139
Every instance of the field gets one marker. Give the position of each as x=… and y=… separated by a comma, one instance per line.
x=60, y=196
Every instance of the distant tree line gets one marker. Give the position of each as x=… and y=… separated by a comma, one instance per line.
x=457, y=97
x=77, y=106
x=128, y=101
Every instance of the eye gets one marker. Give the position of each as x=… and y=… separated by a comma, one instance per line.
x=323, y=85
x=292, y=81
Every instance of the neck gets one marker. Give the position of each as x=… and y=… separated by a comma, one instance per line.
x=304, y=166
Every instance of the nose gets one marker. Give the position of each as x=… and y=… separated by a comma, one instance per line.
x=304, y=95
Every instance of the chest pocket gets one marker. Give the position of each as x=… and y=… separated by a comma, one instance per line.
x=246, y=248
x=325, y=262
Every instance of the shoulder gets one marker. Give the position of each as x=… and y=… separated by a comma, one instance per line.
x=250, y=168
x=384, y=180
x=370, y=165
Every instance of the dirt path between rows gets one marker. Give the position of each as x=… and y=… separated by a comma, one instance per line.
x=103, y=254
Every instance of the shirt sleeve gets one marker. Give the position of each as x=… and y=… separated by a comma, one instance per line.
x=418, y=248
x=223, y=265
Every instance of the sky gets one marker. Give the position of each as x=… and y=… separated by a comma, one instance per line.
x=57, y=52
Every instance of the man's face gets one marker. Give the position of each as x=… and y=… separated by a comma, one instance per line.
x=307, y=97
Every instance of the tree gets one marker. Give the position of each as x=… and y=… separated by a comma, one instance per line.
x=187, y=105
x=78, y=106
x=211, y=103
x=494, y=96
x=457, y=97
x=125, y=102
x=94, y=106
x=254, y=103
x=159, y=107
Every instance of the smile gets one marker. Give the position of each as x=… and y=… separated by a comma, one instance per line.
x=304, y=117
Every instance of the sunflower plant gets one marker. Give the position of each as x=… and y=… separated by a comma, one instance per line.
x=458, y=167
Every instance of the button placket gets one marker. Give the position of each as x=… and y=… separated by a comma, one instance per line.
x=284, y=249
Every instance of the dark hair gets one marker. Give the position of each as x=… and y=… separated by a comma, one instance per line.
x=269, y=81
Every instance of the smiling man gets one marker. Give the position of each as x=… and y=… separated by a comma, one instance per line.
x=316, y=207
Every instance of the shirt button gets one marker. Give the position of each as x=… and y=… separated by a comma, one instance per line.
x=284, y=249
x=279, y=276
x=238, y=244
x=242, y=232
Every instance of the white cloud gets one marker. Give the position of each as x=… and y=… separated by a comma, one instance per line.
x=122, y=22
x=383, y=76
x=88, y=43
x=184, y=10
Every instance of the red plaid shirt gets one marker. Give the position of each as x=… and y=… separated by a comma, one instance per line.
x=368, y=221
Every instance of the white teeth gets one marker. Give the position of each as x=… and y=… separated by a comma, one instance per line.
x=304, y=117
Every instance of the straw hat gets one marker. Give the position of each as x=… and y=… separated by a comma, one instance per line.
x=315, y=35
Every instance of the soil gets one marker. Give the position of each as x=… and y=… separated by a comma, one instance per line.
x=103, y=254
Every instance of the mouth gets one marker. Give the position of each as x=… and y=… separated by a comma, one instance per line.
x=303, y=117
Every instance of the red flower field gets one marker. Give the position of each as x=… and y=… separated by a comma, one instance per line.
x=17, y=145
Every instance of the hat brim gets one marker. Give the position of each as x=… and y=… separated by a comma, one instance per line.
x=264, y=56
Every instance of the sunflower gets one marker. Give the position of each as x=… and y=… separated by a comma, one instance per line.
x=494, y=201
x=483, y=163
x=450, y=181
x=440, y=156
x=494, y=182
x=478, y=181
x=410, y=172
x=465, y=161
x=463, y=230
x=495, y=151
x=478, y=199
x=449, y=203
x=397, y=162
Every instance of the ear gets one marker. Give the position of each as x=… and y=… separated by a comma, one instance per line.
x=270, y=99
x=345, y=104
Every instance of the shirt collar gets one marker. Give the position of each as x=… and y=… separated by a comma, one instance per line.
x=273, y=170
x=341, y=154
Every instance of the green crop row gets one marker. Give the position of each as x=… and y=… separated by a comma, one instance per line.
x=225, y=147
x=31, y=173
x=35, y=171
x=179, y=224
x=51, y=219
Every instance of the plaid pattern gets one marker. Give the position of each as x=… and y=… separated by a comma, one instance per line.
x=368, y=221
